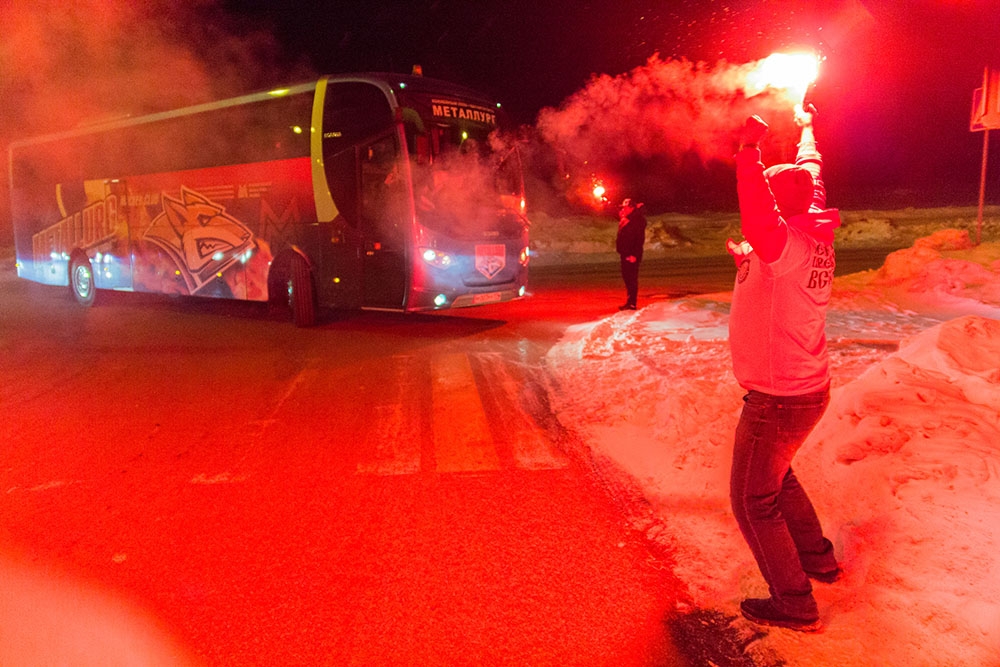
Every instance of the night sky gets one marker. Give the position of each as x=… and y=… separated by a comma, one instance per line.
x=537, y=52
x=894, y=93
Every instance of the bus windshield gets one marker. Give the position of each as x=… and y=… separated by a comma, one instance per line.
x=466, y=176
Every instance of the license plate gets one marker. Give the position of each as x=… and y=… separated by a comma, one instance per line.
x=488, y=297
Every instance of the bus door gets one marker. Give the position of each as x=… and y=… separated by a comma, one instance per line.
x=385, y=223
x=340, y=244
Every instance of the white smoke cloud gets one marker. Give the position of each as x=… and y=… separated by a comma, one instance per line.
x=662, y=128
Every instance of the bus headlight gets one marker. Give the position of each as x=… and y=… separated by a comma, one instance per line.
x=436, y=258
x=525, y=256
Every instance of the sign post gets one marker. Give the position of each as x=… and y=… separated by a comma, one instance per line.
x=985, y=117
x=982, y=186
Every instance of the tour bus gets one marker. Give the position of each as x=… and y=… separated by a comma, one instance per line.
x=371, y=190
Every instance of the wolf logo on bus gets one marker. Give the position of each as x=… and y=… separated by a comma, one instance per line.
x=201, y=239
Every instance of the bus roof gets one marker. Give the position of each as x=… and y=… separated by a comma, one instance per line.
x=389, y=82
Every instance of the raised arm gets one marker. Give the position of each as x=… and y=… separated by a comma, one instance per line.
x=760, y=221
x=808, y=156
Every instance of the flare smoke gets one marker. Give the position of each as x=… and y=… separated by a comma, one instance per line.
x=663, y=132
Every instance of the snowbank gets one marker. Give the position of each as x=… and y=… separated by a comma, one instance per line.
x=583, y=238
x=904, y=468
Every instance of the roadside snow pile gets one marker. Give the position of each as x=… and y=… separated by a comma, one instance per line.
x=904, y=468
x=589, y=238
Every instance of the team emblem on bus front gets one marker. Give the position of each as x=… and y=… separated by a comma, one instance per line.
x=491, y=259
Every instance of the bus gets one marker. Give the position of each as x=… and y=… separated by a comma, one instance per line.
x=372, y=190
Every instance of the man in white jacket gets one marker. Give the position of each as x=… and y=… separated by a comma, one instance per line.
x=778, y=343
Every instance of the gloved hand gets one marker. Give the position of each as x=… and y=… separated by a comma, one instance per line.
x=753, y=131
x=804, y=115
x=738, y=251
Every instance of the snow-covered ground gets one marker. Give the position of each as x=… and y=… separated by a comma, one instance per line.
x=904, y=468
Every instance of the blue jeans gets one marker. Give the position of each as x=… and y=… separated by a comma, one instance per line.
x=771, y=507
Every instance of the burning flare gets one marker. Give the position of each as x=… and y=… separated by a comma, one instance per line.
x=791, y=72
x=599, y=191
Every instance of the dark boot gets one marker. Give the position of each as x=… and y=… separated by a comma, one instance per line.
x=762, y=611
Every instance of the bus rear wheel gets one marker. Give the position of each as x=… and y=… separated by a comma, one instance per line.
x=301, y=294
x=81, y=281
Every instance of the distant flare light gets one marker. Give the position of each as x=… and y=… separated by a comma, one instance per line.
x=791, y=72
x=599, y=191
x=591, y=192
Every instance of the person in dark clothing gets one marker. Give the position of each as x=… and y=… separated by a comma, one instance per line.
x=629, y=242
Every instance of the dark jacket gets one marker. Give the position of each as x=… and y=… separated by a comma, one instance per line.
x=632, y=236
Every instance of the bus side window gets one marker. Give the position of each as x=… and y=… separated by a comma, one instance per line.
x=354, y=111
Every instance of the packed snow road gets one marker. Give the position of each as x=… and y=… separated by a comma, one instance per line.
x=379, y=489
x=200, y=481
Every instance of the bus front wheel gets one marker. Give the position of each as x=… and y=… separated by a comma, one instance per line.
x=81, y=280
x=301, y=294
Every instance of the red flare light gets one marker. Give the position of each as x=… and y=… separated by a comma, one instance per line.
x=591, y=192
x=791, y=72
x=598, y=189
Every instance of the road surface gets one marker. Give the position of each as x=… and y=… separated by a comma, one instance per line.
x=198, y=481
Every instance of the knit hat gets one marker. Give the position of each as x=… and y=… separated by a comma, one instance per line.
x=792, y=186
